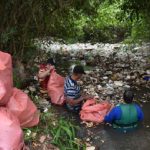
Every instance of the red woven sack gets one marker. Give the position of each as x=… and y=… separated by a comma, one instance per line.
x=56, y=88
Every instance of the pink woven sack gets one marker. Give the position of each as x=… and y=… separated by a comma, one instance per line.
x=56, y=88
x=94, y=112
x=22, y=107
x=6, y=81
x=11, y=135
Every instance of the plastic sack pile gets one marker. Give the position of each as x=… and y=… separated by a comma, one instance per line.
x=94, y=112
x=16, y=109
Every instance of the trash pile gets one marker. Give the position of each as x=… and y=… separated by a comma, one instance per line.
x=113, y=67
x=16, y=108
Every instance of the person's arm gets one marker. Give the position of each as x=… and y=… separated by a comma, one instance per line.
x=114, y=114
x=79, y=100
x=73, y=102
x=140, y=113
x=43, y=74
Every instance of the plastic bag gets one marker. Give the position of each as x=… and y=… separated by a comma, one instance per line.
x=56, y=88
x=94, y=112
x=11, y=135
x=23, y=108
x=6, y=82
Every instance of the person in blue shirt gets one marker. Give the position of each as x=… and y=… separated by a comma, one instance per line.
x=125, y=116
x=72, y=91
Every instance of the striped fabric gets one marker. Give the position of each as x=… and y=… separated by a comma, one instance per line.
x=71, y=89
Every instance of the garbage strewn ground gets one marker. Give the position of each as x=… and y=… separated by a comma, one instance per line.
x=113, y=67
x=110, y=68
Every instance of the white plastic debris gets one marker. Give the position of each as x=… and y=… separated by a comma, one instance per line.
x=118, y=83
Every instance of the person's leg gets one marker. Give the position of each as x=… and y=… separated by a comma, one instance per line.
x=77, y=109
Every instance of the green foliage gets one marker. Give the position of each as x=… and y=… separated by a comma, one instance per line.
x=64, y=136
x=140, y=31
x=135, y=7
x=22, y=21
x=71, y=20
x=63, y=132
x=17, y=82
x=105, y=26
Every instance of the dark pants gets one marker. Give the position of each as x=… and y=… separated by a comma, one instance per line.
x=74, y=109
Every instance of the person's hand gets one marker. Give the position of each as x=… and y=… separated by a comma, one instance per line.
x=49, y=67
x=47, y=72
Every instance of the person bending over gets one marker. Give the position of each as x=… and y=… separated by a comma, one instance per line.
x=125, y=116
x=44, y=74
x=72, y=90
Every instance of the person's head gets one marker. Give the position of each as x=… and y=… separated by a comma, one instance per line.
x=128, y=97
x=50, y=62
x=78, y=71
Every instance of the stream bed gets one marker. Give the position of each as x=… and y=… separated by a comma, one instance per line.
x=103, y=137
x=111, y=69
